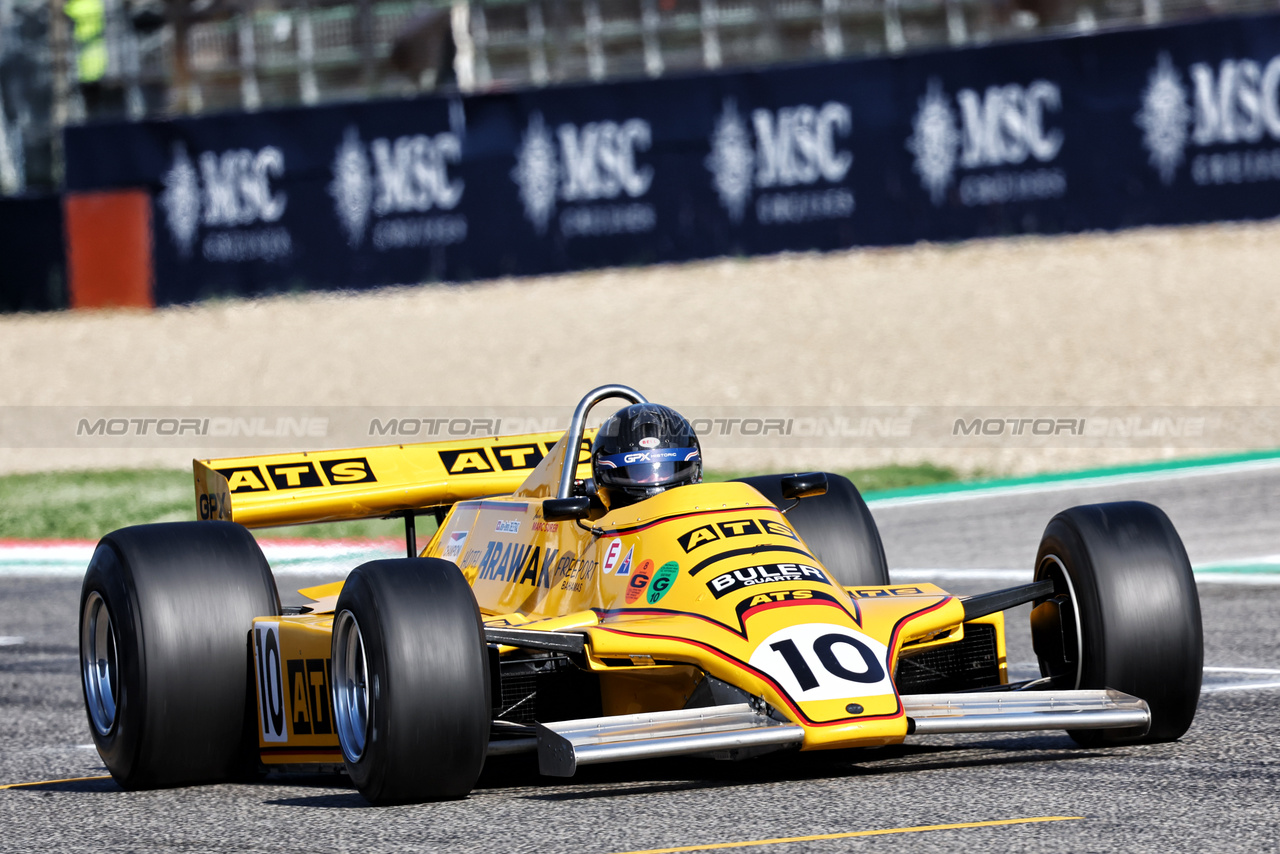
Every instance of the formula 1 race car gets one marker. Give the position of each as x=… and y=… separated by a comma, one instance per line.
x=712, y=619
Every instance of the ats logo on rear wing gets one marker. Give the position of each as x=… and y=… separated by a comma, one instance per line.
x=298, y=475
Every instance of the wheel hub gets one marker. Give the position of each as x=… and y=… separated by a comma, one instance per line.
x=1055, y=628
x=350, y=686
x=98, y=663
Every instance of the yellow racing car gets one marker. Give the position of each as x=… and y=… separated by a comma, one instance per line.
x=586, y=598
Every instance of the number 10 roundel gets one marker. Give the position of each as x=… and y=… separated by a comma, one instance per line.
x=820, y=661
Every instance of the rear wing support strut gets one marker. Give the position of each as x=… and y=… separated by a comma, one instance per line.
x=410, y=533
x=411, y=526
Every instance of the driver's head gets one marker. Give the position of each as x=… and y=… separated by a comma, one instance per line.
x=643, y=450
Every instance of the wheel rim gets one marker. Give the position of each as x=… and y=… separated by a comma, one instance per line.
x=98, y=663
x=350, y=686
x=1051, y=567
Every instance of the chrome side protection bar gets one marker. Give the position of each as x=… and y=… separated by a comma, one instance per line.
x=564, y=745
x=1024, y=711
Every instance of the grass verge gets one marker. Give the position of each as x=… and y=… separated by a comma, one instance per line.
x=86, y=505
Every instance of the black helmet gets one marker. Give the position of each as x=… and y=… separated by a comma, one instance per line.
x=643, y=450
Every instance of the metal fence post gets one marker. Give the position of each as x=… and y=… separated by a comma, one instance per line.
x=464, y=60
x=308, y=88
x=832, y=35
x=592, y=36
x=710, y=34
x=894, y=38
x=649, y=25
x=250, y=95
x=537, y=34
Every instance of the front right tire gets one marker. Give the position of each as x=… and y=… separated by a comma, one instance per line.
x=1125, y=615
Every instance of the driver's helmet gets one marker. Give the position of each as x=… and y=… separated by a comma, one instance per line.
x=642, y=450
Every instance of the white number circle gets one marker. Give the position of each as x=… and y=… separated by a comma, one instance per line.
x=820, y=661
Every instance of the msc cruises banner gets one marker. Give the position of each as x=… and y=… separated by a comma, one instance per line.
x=1167, y=125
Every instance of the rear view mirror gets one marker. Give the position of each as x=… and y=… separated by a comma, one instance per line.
x=569, y=509
x=808, y=485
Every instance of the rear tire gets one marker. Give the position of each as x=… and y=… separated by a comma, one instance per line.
x=411, y=693
x=165, y=616
x=837, y=527
x=1125, y=615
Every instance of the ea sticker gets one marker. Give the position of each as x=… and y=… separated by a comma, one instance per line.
x=611, y=555
x=650, y=442
x=821, y=661
x=662, y=581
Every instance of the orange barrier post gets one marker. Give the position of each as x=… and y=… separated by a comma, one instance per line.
x=109, y=249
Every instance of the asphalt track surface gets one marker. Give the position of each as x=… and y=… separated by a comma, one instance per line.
x=1215, y=790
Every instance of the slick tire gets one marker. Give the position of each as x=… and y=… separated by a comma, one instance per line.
x=1125, y=615
x=837, y=527
x=410, y=681
x=166, y=613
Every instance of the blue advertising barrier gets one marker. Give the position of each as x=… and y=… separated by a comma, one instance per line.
x=32, y=272
x=1178, y=124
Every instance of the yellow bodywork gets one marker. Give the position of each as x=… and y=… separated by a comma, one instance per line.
x=701, y=579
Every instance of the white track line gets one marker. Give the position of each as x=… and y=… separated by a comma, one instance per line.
x=1247, y=561
x=68, y=560
x=1209, y=574
x=1267, y=670
x=12, y=641
x=909, y=574
x=1238, y=686
x=1240, y=579
x=1026, y=668
x=1068, y=484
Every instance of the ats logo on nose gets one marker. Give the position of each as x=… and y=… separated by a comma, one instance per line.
x=734, y=528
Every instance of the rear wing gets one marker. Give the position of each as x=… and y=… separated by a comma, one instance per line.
x=365, y=483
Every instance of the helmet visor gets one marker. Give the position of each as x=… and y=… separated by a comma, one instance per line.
x=649, y=468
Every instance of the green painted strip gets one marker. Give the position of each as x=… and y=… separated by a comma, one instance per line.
x=1066, y=477
x=1239, y=569
x=1261, y=565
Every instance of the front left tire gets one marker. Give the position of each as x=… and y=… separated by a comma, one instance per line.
x=411, y=694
